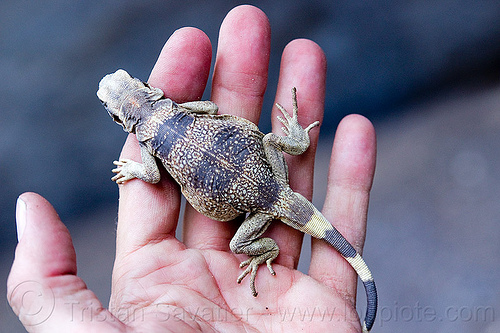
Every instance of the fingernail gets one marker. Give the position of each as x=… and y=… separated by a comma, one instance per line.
x=20, y=218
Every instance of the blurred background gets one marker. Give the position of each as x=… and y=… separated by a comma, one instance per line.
x=425, y=72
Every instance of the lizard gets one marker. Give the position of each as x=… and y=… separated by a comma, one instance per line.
x=226, y=167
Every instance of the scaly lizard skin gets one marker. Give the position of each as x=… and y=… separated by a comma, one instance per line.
x=225, y=167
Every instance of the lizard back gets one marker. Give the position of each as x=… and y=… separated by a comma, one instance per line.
x=218, y=160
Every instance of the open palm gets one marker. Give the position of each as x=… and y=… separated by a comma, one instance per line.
x=161, y=284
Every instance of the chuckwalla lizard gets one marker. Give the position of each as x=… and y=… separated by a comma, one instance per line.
x=225, y=167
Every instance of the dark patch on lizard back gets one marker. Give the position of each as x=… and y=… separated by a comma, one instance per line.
x=169, y=131
x=231, y=142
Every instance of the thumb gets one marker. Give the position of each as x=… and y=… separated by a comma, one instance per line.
x=42, y=288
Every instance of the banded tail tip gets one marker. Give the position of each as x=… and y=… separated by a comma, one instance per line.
x=371, y=307
x=366, y=277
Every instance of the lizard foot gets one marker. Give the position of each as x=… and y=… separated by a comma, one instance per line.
x=125, y=170
x=291, y=126
x=296, y=140
x=252, y=265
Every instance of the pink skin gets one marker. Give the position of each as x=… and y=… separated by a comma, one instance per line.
x=191, y=285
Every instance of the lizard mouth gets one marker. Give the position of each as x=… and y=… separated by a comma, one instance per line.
x=116, y=119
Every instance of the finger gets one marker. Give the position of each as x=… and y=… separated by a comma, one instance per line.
x=241, y=65
x=183, y=66
x=303, y=65
x=42, y=288
x=150, y=212
x=239, y=83
x=352, y=166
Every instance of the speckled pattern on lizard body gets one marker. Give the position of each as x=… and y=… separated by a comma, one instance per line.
x=225, y=167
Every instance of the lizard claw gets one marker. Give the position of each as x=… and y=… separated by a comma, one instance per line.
x=122, y=173
x=252, y=267
x=311, y=126
x=290, y=123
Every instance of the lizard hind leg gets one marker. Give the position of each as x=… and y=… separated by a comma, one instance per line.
x=260, y=250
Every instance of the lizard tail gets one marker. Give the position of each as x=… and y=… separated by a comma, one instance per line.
x=303, y=216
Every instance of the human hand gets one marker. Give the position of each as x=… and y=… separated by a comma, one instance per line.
x=162, y=284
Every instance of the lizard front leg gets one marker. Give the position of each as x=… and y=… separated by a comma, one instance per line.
x=261, y=250
x=295, y=142
x=147, y=170
x=201, y=107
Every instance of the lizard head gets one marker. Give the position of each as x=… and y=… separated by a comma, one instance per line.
x=127, y=99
